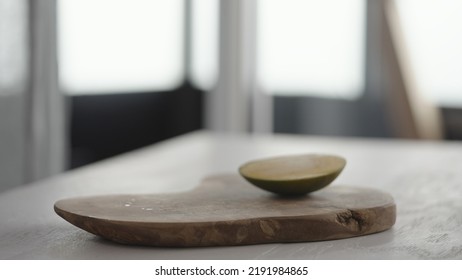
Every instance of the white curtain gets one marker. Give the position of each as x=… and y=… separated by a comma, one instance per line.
x=32, y=115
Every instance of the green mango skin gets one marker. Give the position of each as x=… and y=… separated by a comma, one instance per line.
x=293, y=175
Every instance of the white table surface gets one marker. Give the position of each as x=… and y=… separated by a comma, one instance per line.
x=425, y=178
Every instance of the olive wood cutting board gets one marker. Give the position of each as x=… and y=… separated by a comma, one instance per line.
x=227, y=210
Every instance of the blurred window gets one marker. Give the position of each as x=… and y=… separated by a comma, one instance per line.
x=311, y=47
x=305, y=47
x=433, y=34
x=13, y=46
x=204, y=58
x=301, y=51
x=108, y=46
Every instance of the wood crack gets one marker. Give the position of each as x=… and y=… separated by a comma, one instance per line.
x=352, y=219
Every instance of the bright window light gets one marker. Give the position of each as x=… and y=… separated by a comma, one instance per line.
x=433, y=34
x=311, y=47
x=204, y=64
x=13, y=46
x=108, y=46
